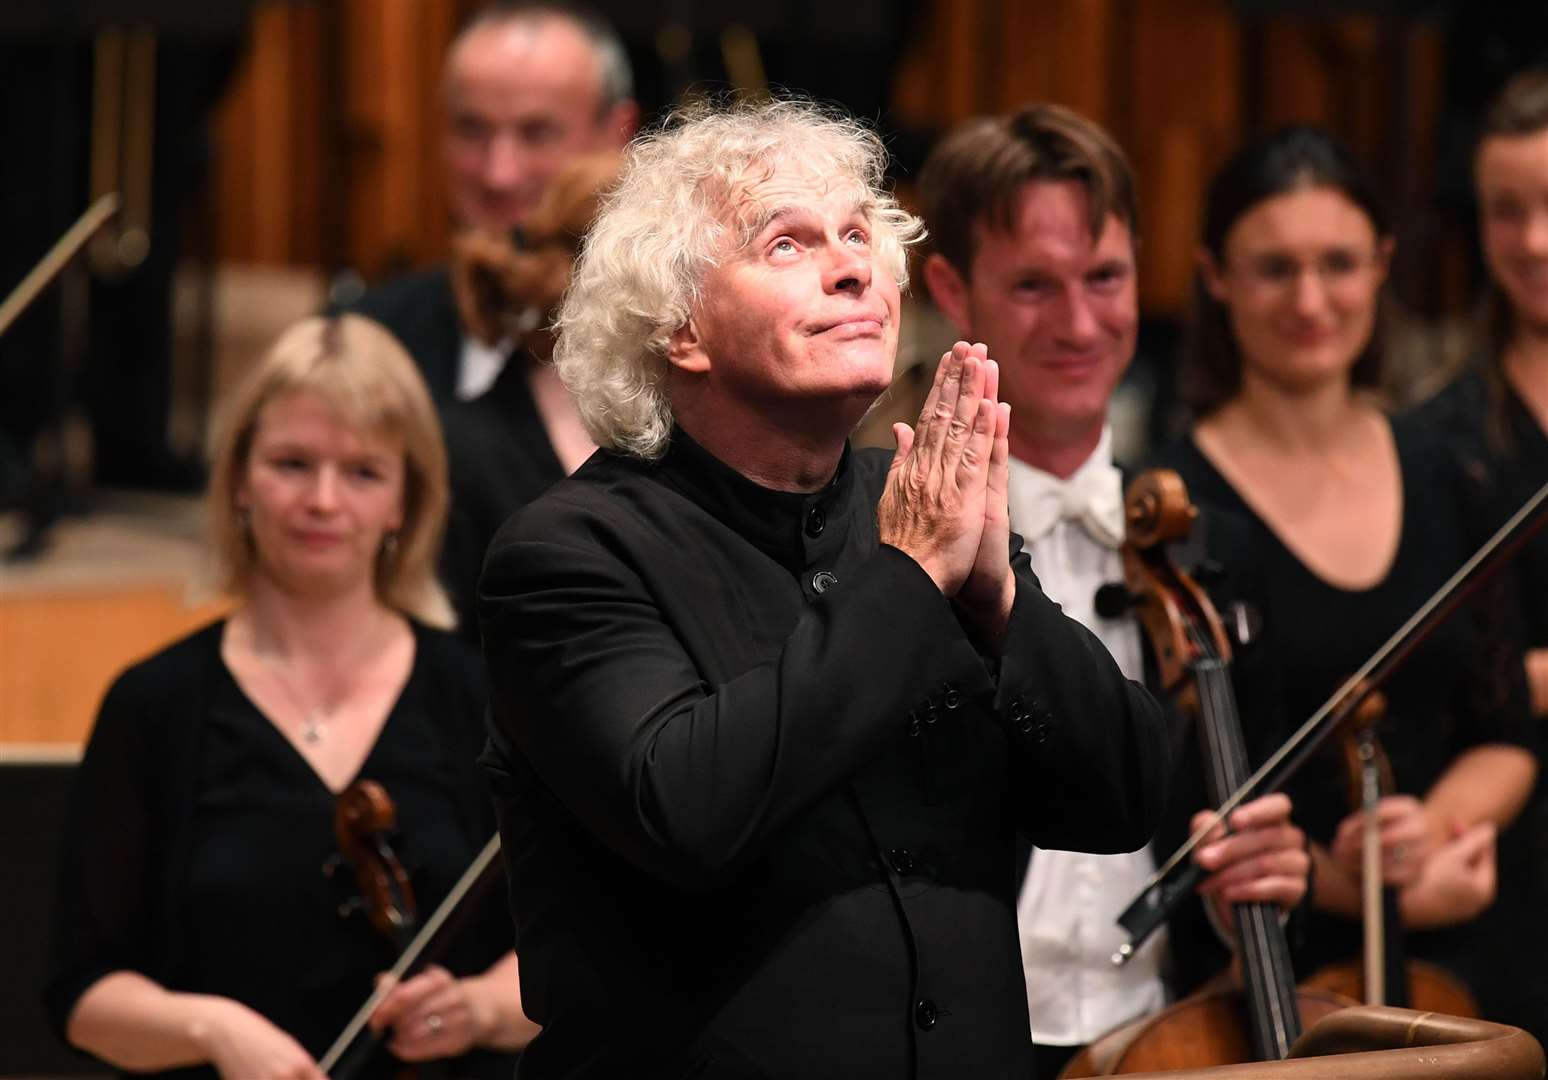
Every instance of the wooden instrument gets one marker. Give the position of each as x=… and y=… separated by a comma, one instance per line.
x=1383, y=975
x=1259, y=1019
x=1174, y=880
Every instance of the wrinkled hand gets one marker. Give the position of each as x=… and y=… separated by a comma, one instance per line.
x=933, y=505
x=1262, y=860
x=1408, y=836
x=431, y=1016
x=242, y=1044
x=989, y=592
x=1458, y=882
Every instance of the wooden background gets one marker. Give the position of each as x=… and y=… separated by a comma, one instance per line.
x=327, y=151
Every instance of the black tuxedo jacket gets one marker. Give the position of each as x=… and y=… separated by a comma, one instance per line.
x=760, y=793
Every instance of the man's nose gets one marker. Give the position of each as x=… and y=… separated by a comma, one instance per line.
x=1534, y=237
x=506, y=162
x=848, y=268
x=1081, y=326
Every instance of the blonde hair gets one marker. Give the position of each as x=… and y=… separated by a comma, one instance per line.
x=359, y=371
x=669, y=220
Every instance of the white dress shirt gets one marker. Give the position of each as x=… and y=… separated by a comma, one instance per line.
x=480, y=366
x=1070, y=900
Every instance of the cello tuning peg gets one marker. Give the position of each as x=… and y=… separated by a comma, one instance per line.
x=1115, y=600
x=1209, y=572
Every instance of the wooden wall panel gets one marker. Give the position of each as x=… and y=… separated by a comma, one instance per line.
x=1185, y=114
x=327, y=148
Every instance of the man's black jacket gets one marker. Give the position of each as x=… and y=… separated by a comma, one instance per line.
x=759, y=792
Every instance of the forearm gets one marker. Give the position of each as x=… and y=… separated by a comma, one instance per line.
x=1486, y=783
x=495, y=999
x=1537, y=680
x=1334, y=890
x=134, y=1023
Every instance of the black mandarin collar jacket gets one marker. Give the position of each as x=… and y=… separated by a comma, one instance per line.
x=760, y=794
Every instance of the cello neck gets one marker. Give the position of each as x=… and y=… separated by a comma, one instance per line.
x=1267, y=975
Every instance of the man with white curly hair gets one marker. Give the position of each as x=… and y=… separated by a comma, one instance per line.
x=768, y=713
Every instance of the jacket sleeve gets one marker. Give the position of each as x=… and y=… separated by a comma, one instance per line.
x=685, y=777
x=1091, y=749
x=689, y=778
x=101, y=920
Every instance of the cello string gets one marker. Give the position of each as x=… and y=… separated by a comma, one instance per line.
x=1350, y=685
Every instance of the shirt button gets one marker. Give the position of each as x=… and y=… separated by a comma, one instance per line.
x=816, y=521
x=823, y=580
x=902, y=861
x=925, y=1014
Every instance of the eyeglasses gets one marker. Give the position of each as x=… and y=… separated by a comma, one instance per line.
x=1276, y=273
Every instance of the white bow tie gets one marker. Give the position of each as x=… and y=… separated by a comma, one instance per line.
x=1092, y=498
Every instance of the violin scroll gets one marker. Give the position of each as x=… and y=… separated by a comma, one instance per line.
x=363, y=818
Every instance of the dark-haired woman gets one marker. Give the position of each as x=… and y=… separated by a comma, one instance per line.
x=1354, y=521
x=1496, y=416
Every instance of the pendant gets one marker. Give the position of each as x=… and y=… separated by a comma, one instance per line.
x=311, y=730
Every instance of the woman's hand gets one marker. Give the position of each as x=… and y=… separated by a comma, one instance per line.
x=1457, y=884
x=241, y=1044
x=432, y=1015
x=1408, y=835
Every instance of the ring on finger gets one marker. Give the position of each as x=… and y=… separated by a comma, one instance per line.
x=434, y=1023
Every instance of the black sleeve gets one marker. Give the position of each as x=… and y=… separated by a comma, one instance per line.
x=1091, y=747
x=102, y=913
x=689, y=779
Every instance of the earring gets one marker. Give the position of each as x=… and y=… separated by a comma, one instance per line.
x=390, y=544
x=244, y=518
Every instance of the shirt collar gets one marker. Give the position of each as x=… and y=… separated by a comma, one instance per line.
x=1092, y=496
x=772, y=521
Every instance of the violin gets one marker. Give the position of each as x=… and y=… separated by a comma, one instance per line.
x=507, y=284
x=1383, y=975
x=364, y=817
x=1225, y=1023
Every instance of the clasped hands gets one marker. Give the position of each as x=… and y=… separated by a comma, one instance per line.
x=1444, y=871
x=945, y=503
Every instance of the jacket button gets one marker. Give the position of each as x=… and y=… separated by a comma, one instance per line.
x=823, y=580
x=1025, y=725
x=913, y=723
x=902, y=861
x=951, y=699
x=925, y=1014
x=816, y=521
x=931, y=713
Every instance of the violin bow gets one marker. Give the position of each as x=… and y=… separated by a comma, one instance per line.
x=470, y=879
x=1167, y=887
x=57, y=258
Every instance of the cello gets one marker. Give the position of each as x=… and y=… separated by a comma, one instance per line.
x=1224, y=1023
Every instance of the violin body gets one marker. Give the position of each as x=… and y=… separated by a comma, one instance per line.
x=1207, y=1028
x=1430, y=987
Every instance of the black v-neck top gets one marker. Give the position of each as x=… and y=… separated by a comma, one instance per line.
x=1461, y=689
x=240, y=853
